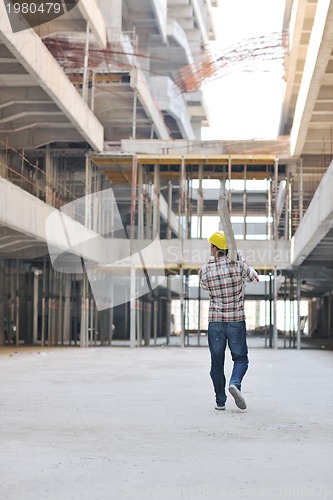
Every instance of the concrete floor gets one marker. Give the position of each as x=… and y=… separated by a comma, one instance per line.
x=114, y=423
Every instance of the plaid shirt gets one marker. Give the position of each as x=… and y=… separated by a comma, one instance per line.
x=224, y=282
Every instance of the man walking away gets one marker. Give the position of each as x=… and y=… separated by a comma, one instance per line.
x=224, y=281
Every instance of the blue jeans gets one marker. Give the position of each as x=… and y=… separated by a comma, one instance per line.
x=219, y=332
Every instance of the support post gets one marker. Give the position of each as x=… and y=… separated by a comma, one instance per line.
x=298, y=309
x=200, y=203
x=229, y=191
x=244, y=205
x=182, y=310
x=35, y=307
x=156, y=211
x=275, y=329
x=300, y=189
x=276, y=186
x=85, y=67
x=132, y=309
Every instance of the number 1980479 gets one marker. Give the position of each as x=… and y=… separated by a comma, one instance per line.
x=34, y=8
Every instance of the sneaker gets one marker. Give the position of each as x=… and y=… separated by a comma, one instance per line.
x=237, y=395
x=218, y=407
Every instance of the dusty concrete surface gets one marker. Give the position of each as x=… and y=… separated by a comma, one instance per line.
x=114, y=423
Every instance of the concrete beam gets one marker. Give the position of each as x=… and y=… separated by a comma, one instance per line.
x=295, y=33
x=173, y=103
x=92, y=14
x=26, y=214
x=30, y=51
x=318, y=55
x=316, y=222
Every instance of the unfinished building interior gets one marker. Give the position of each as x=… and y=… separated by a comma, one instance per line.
x=101, y=158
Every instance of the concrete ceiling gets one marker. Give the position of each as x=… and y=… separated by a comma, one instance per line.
x=308, y=105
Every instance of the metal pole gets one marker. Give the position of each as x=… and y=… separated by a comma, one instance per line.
x=84, y=312
x=85, y=68
x=270, y=312
x=67, y=310
x=290, y=209
x=156, y=212
x=35, y=308
x=155, y=324
x=244, y=205
x=200, y=203
x=182, y=311
x=133, y=195
x=266, y=311
x=269, y=203
x=48, y=175
x=93, y=81
x=229, y=191
x=169, y=230
x=43, y=303
x=298, y=309
x=276, y=185
x=199, y=314
x=168, y=332
x=275, y=329
x=87, y=193
x=140, y=208
x=300, y=189
x=17, y=303
x=132, y=309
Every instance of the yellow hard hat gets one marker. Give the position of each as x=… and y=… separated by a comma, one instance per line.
x=219, y=240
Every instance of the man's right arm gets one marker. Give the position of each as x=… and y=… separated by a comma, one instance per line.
x=249, y=274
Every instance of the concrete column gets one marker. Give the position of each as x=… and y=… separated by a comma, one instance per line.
x=112, y=11
x=275, y=330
